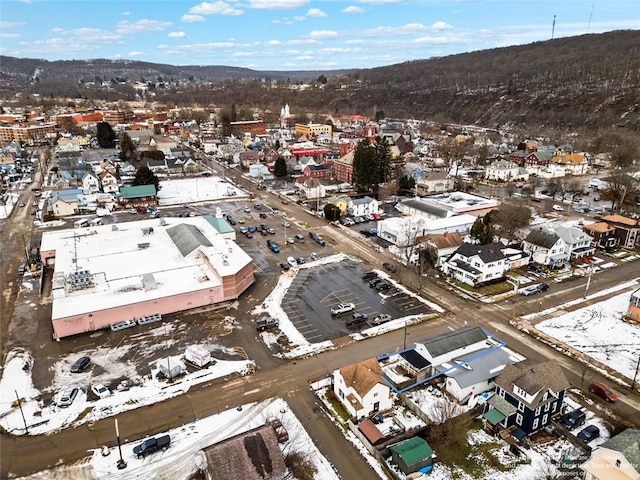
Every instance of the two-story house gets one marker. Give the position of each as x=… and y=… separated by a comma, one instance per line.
x=505, y=171
x=90, y=183
x=435, y=182
x=537, y=390
x=569, y=164
x=603, y=235
x=616, y=459
x=545, y=248
x=535, y=162
x=109, y=182
x=627, y=230
x=362, y=206
x=477, y=264
x=310, y=187
x=579, y=244
x=361, y=389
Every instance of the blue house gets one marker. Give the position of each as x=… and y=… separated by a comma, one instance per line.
x=536, y=391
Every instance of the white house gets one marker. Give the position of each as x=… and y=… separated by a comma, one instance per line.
x=435, y=182
x=475, y=264
x=546, y=248
x=361, y=390
x=505, y=171
x=579, y=244
x=90, y=183
x=312, y=188
x=616, y=459
x=109, y=182
x=362, y=206
x=404, y=231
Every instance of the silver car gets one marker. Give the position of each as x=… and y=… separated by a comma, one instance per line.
x=68, y=395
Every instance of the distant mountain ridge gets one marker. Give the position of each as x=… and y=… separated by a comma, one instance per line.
x=585, y=82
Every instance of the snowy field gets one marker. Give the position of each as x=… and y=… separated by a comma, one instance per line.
x=184, y=456
x=599, y=332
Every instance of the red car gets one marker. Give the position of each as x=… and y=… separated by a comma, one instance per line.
x=263, y=215
x=285, y=201
x=601, y=390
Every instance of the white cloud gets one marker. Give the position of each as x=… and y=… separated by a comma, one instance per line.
x=141, y=26
x=9, y=35
x=11, y=24
x=274, y=43
x=441, y=26
x=305, y=57
x=407, y=29
x=188, y=18
x=379, y=2
x=437, y=40
x=277, y=4
x=353, y=9
x=215, y=8
x=334, y=50
x=136, y=54
x=177, y=35
x=316, y=12
x=126, y=13
x=323, y=34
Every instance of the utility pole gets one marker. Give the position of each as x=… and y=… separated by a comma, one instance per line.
x=635, y=375
x=588, y=280
x=121, y=463
x=26, y=428
x=553, y=27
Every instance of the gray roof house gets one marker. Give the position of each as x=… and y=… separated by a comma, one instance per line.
x=579, y=244
x=616, y=459
x=546, y=248
x=476, y=264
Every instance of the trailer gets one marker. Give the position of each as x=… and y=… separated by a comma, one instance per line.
x=197, y=355
x=170, y=368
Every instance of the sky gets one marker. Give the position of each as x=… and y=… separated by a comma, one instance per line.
x=293, y=34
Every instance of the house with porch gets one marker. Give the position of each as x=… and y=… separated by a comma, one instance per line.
x=579, y=245
x=546, y=248
x=475, y=264
x=505, y=171
x=109, y=182
x=90, y=183
x=435, y=182
x=536, y=390
x=361, y=389
x=603, y=235
x=362, y=206
x=569, y=164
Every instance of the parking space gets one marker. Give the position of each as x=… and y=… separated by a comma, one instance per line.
x=315, y=290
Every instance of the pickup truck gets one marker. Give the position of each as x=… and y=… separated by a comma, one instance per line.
x=152, y=445
x=342, y=308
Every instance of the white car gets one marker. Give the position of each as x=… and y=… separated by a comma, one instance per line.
x=342, y=308
x=292, y=261
x=100, y=391
x=558, y=208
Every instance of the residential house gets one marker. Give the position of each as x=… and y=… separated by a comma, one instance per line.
x=251, y=455
x=310, y=187
x=445, y=244
x=535, y=162
x=604, y=160
x=363, y=206
x=341, y=202
x=409, y=231
x=65, y=202
x=603, y=235
x=90, y=183
x=361, y=389
x=109, y=182
x=569, y=164
x=618, y=458
x=317, y=171
x=138, y=196
x=343, y=168
x=633, y=311
x=412, y=455
x=579, y=244
x=435, y=182
x=505, y=171
x=537, y=390
x=181, y=165
x=477, y=264
x=248, y=158
x=546, y=248
x=627, y=230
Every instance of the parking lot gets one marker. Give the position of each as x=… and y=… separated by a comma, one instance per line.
x=315, y=290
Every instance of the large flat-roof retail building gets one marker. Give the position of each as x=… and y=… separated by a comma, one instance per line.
x=107, y=274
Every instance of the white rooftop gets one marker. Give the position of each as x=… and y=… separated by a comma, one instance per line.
x=127, y=265
x=461, y=202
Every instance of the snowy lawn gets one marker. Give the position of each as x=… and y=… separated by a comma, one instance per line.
x=200, y=189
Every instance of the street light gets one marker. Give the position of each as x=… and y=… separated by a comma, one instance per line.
x=121, y=463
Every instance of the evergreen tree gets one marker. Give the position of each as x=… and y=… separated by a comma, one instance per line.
x=482, y=230
x=331, y=212
x=280, y=168
x=127, y=148
x=105, y=135
x=371, y=164
x=144, y=176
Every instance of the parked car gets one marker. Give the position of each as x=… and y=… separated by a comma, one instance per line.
x=80, y=364
x=67, y=396
x=271, y=231
x=543, y=287
x=132, y=211
x=284, y=266
x=292, y=261
x=314, y=256
x=300, y=260
x=601, y=390
x=374, y=282
x=369, y=275
x=274, y=247
x=152, y=445
x=267, y=323
x=299, y=238
x=382, y=318
x=100, y=390
x=291, y=240
x=558, y=208
x=356, y=319
x=248, y=235
x=530, y=290
x=588, y=433
x=286, y=224
x=573, y=419
x=389, y=267
x=382, y=286
x=342, y=308
x=263, y=215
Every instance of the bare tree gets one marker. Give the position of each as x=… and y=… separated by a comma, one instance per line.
x=450, y=423
x=510, y=218
x=621, y=187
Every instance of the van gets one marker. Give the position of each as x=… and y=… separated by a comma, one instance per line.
x=149, y=319
x=96, y=221
x=81, y=223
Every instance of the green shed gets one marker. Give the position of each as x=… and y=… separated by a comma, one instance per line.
x=411, y=455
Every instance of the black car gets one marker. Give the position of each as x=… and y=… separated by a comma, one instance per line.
x=573, y=419
x=588, y=433
x=390, y=267
x=382, y=286
x=80, y=364
x=543, y=287
x=356, y=319
x=369, y=275
x=374, y=282
x=284, y=266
